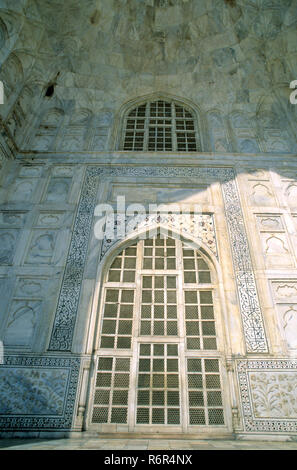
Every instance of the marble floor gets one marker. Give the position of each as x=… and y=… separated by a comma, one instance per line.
x=141, y=444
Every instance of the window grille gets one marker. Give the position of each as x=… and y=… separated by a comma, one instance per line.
x=204, y=392
x=111, y=390
x=165, y=311
x=158, y=391
x=161, y=126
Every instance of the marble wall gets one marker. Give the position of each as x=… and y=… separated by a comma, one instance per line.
x=60, y=157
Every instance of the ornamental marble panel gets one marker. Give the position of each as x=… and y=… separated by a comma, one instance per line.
x=261, y=194
x=284, y=290
x=58, y=189
x=30, y=171
x=167, y=194
x=42, y=247
x=12, y=219
x=268, y=390
x=270, y=222
x=62, y=171
x=8, y=245
x=290, y=191
x=38, y=392
x=199, y=226
x=23, y=189
x=50, y=219
x=276, y=250
x=31, y=287
x=65, y=319
x=21, y=323
x=287, y=315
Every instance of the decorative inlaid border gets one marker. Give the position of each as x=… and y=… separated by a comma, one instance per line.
x=39, y=364
x=200, y=226
x=248, y=396
x=66, y=313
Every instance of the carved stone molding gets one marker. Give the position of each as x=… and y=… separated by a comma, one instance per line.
x=38, y=392
x=268, y=395
x=66, y=313
x=200, y=226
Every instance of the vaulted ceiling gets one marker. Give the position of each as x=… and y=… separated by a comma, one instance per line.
x=226, y=55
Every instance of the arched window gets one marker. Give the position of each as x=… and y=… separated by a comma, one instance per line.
x=158, y=360
x=160, y=126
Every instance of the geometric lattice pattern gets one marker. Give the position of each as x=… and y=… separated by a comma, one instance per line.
x=158, y=388
x=160, y=126
x=116, y=331
x=159, y=306
x=204, y=392
x=111, y=390
x=199, y=319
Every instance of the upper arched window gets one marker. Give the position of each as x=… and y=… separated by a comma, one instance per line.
x=159, y=126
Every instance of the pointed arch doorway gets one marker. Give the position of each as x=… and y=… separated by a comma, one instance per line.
x=159, y=361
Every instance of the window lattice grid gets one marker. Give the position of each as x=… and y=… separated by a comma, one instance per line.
x=159, y=253
x=160, y=126
x=158, y=388
x=135, y=129
x=204, y=392
x=111, y=391
x=159, y=306
x=117, y=324
x=185, y=130
x=196, y=270
x=123, y=268
x=199, y=320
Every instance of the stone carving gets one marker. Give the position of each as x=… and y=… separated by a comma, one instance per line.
x=58, y=189
x=219, y=141
x=30, y=287
x=268, y=395
x=246, y=285
x=42, y=249
x=32, y=171
x=270, y=223
x=261, y=195
x=200, y=226
x=275, y=245
x=23, y=190
x=47, y=399
x=8, y=240
x=66, y=312
x=38, y=392
x=291, y=193
x=21, y=323
x=285, y=290
x=11, y=218
x=244, y=134
x=289, y=321
x=274, y=394
x=61, y=171
x=49, y=219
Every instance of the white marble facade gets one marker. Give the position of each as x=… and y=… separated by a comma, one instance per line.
x=61, y=156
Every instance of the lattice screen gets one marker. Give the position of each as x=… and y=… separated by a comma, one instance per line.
x=161, y=126
x=158, y=310
x=111, y=390
x=158, y=394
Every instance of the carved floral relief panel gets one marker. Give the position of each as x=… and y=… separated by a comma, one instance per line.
x=268, y=390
